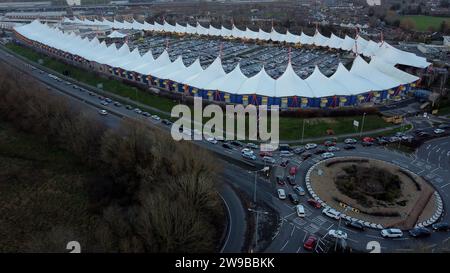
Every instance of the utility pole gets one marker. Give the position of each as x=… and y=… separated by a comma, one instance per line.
x=362, y=124
x=265, y=169
x=303, y=130
x=257, y=212
x=339, y=225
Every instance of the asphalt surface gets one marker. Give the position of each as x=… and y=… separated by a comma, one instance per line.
x=431, y=161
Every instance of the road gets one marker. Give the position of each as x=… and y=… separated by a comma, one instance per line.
x=431, y=161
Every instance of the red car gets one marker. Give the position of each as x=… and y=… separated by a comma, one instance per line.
x=263, y=154
x=368, y=139
x=329, y=143
x=293, y=171
x=314, y=203
x=310, y=244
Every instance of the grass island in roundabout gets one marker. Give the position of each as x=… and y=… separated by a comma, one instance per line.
x=377, y=193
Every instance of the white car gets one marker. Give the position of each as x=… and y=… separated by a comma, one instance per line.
x=155, y=117
x=391, y=233
x=269, y=160
x=247, y=151
x=281, y=194
x=327, y=155
x=137, y=111
x=299, y=190
x=211, y=140
x=249, y=156
x=252, y=145
x=310, y=146
x=339, y=234
x=331, y=213
x=103, y=112
x=300, y=211
x=350, y=141
x=333, y=149
x=286, y=154
x=439, y=131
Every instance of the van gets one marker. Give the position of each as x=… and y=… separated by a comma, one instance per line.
x=300, y=211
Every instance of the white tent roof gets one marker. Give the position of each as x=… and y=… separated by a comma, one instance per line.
x=212, y=72
x=363, y=69
x=260, y=83
x=379, y=74
x=190, y=71
x=163, y=71
x=322, y=86
x=290, y=84
x=355, y=84
x=116, y=34
x=230, y=82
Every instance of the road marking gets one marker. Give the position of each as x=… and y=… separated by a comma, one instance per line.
x=293, y=229
x=285, y=244
x=443, y=186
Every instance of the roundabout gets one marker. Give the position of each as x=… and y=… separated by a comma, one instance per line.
x=375, y=193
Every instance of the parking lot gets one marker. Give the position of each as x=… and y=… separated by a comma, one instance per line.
x=250, y=56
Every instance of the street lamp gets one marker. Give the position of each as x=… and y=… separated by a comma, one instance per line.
x=303, y=130
x=257, y=212
x=362, y=124
x=265, y=169
x=339, y=225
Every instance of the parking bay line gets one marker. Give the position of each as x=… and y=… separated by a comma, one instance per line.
x=285, y=244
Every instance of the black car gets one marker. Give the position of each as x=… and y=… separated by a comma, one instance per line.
x=166, y=122
x=320, y=151
x=444, y=126
x=441, y=226
x=227, y=146
x=118, y=104
x=419, y=232
x=355, y=225
x=382, y=141
x=294, y=199
x=299, y=151
x=349, y=147
x=129, y=107
x=280, y=180
x=284, y=163
x=366, y=143
x=147, y=114
x=91, y=94
x=237, y=143
x=306, y=156
x=291, y=180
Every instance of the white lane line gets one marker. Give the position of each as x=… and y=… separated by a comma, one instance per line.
x=443, y=186
x=285, y=244
x=293, y=229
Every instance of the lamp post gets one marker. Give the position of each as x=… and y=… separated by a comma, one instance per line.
x=254, y=203
x=303, y=130
x=257, y=212
x=339, y=225
x=362, y=124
